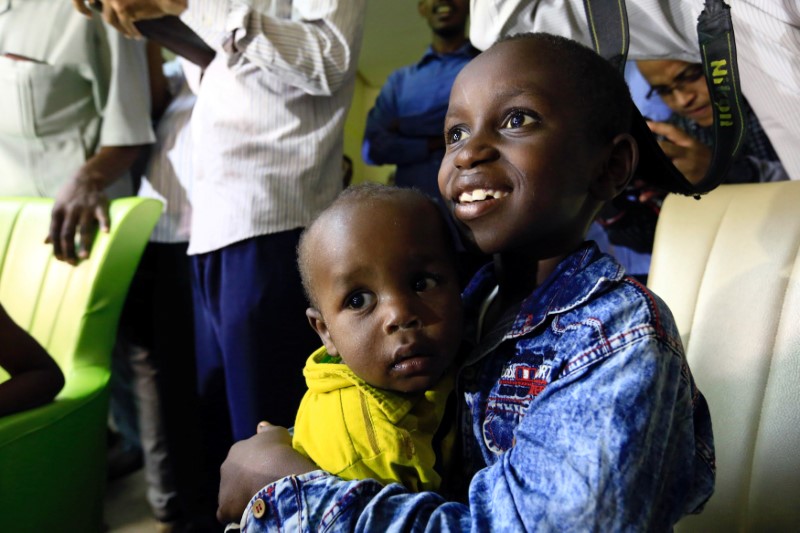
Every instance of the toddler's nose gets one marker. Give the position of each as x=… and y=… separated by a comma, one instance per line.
x=400, y=315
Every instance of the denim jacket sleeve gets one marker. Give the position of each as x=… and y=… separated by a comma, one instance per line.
x=609, y=446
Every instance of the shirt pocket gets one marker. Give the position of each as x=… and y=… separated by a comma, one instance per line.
x=16, y=118
x=41, y=100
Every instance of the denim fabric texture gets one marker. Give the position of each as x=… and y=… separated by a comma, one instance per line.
x=580, y=414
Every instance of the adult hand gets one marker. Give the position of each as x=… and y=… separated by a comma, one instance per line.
x=253, y=463
x=79, y=206
x=689, y=155
x=123, y=13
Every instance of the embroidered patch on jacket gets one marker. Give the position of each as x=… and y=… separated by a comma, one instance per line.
x=518, y=385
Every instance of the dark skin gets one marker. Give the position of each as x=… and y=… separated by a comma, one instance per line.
x=519, y=139
x=35, y=377
x=81, y=203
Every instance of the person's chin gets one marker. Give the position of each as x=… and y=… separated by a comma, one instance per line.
x=703, y=116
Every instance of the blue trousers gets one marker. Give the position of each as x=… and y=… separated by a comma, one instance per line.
x=252, y=338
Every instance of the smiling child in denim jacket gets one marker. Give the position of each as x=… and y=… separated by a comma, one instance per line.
x=578, y=410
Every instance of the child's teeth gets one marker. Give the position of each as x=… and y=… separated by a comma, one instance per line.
x=479, y=194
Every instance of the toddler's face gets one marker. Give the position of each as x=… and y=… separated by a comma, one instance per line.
x=518, y=163
x=388, y=293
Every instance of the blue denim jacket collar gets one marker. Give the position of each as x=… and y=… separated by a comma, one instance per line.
x=576, y=279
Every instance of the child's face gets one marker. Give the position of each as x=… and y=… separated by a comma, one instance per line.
x=388, y=294
x=518, y=162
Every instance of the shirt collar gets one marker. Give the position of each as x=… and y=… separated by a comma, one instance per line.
x=430, y=54
x=577, y=279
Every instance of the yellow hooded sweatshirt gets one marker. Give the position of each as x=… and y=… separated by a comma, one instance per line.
x=356, y=431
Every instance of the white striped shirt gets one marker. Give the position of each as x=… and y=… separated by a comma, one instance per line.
x=168, y=176
x=268, y=122
x=767, y=41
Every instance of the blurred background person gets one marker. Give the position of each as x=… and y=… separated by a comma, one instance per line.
x=687, y=137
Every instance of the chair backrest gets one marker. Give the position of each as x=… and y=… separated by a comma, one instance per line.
x=70, y=309
x=729, y=268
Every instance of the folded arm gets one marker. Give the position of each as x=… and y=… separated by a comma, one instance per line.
x=392, y=139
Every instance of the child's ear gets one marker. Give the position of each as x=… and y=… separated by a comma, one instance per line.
x=618, y=168
x=319, y=325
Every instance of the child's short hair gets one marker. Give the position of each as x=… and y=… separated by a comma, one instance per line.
x=361, y=194
x=600, y=88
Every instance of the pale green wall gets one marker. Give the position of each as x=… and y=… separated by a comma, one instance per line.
x=363, y=98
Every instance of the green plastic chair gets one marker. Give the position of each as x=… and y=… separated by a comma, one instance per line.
x=53, y=458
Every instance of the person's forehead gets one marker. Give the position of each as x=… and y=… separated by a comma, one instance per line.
x=514, y=59
x=363, y=218
x=358, y=230
x=660, y=72
x=513, y=68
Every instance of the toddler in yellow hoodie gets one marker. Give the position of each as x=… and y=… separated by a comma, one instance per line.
x=379, y=270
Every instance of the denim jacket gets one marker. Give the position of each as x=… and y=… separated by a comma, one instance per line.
x=580, y=414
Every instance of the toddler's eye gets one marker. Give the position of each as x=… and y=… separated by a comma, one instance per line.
x=518, y=119
x=357, y=300
x=455, y=134
x=425, y=283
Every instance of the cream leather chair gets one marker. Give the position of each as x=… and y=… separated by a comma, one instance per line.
x=728, y=266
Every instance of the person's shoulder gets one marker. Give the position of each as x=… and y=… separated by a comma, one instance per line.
x=622, y=317
x=632, y=307
x=600, y=291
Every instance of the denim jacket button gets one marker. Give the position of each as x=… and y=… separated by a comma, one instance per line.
x=259, y=508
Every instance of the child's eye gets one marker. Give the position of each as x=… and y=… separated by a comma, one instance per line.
x=358, y=300
x=426, y=283
x=455, y=134
x=518, y=119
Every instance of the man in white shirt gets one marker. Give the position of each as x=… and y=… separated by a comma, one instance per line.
x=76, y=107
x=268, y=132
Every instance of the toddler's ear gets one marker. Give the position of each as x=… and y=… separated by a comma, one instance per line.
x=318, y=323
x=619, y=167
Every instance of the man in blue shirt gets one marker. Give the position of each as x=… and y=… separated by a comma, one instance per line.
x=405, y=126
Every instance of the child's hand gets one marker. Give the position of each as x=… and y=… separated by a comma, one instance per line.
x=253, y=463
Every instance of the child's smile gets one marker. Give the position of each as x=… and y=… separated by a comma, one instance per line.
x=518, y=164
x=477, y=202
